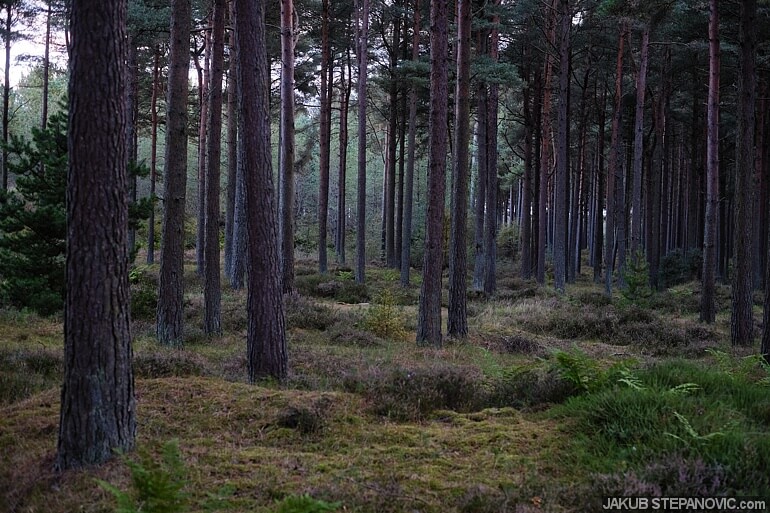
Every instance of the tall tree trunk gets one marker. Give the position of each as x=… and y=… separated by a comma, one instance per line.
x=390, y=189
x=457, y=321
x=482, y=126
x=153, y=153
x=598, y=235
x=324, y=140
x=7, y=90
x=541, y=180
x=546, y=147
x=525, y=225
x=232, y=156
x=493, y=183
x=286, y=172
x=742, y=321
x=266, y=334
x=614, y=169
x=170, y=315
x=98, y=409
x=636, y=193
x=562, y=149
x=212, y=288
x=406, y=243
x=363, y=35
x=203, y=107
x=131, y=121
x=429, y=316
x=342, y=219
x=46, y=68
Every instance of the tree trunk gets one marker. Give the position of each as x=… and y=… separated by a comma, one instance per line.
x=742, y=321
x=153, y=153
x=131, y=120
x=286, y=172
x=342, y=216
x=98, y=409
x=614, y=169
x=266, y=335
x=562, y=148
x=324, y=139
x=457, y=321
x=636, y=193
x=203, y=107
x=525, y=225
x=232, y=156
x=46, y=68
x=482, y=126
x=429, y=316
x=170, y=316
x=363, y=35
x=493, y=183
x=7, y=90
x=598, y=235
x=406, y=243
x=390, y=189
x=212, y=288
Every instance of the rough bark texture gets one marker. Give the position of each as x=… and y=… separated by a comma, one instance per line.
x=232, y=158
x=212, y=288
x=203, y=105
x=491, y=220
x=525, y=230
x=561, y=200
x=457, y=320
x=707, y=307
x=429, y=316
x=170, y=315
x=266, y=336
x=286, y=147
x=363, y=34
x=325, y=141
x=613, y=167
x=406, y=243
x=636, y=187
x=742, y=321
x=98, y=409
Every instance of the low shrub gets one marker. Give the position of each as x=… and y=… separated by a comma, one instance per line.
x=680, y=266
x=165, y=363
x=384, y=318
x=144, y=292
x=305, y=314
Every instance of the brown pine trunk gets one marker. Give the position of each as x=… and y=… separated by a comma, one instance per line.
x=324, y=140
x=482, y=126
x=170, y=315
x=363, y=35
x=636, y=192
x=562, y=148
x=266, y=334
x=98, y=409
x=342, y=216
x=525, y=230
x=232, y=156
x=493, y=183
x=390, y=188
x=203, y=107
x=598, y=235
x=286, y=160
x=153, y=153
x=429, y=316
x=457, y=321
x=406, y=243
x=742, y=320
x=212, y=288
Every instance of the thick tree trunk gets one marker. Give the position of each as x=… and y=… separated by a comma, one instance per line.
x=212, y=288
x=325, y=116
x=742, y=321
x=406, y=243
x=98, y=409
x=429, y=316
x=266, y=335
x=363, y=35
x=170, y=316
x=457, y=322
x=286, y=171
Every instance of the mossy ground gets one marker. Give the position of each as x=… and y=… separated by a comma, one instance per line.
x=374, y=422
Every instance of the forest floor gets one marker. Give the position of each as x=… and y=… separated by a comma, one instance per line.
x=552, y=402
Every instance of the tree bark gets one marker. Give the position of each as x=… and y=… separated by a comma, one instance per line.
x=153, y=153
x=562, y=148
x=390, y=189
x=342, y=217
x=286, y=172
x=98, y=409
x=203, y=108
x=406, y=243
x=457, y=321
x=742, y=320
x=212, y=287
x=525, y=229
x=636, y=192
x=429, y=316
x=324, y=140
x=266, y=334
x=170, y=315
x=363, y=35
x=493, y=183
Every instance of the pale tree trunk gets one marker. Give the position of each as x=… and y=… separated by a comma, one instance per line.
x=286, y=171
x=266, y=334
x=742, y=320
x=363, y=34
x=325, y=140
x=406, y=243
x=212, y=288
x=98, y=408
x=429, y=315
x=170, y=315
x=614, y=168
x=457, y=321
